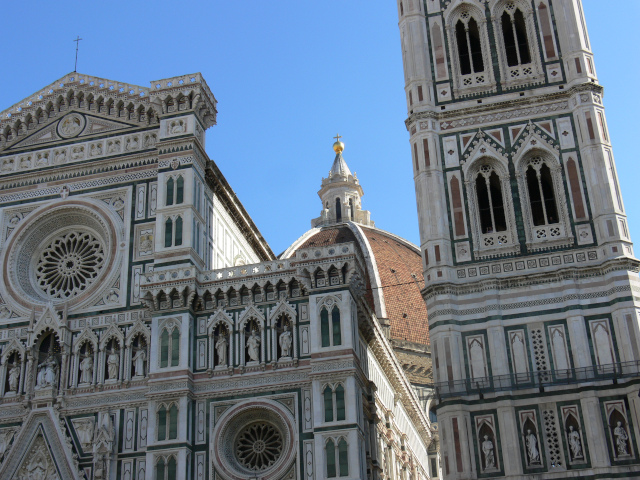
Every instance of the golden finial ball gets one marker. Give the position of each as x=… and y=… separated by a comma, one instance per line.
x=338, y=147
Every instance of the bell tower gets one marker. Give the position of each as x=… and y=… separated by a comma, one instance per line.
x=529, y=268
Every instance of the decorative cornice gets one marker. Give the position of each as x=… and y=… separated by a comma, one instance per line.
x=513, y=104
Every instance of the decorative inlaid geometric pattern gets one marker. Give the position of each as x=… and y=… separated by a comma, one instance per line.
x=539, y=353
x=553, y=439
x=70, y=264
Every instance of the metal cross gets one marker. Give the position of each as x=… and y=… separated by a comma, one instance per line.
x=77, y=40
x=337, y=137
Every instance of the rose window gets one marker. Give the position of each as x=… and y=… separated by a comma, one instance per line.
x=70, y=264
x=258, y=446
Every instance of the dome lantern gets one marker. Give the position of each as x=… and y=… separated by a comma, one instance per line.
x=341, y=194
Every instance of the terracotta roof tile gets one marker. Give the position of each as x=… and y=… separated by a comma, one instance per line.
x=400, y=270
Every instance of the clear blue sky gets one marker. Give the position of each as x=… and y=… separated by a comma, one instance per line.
x=288, y=76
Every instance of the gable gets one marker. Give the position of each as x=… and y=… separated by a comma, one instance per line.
x=39, y=450
x=74, y=124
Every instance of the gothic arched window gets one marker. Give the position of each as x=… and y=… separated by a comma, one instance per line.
x=542, y=199
x=168, y=233
x=334, y=406
x=179, y=190
x=331, y=458
x=330, y=327
x=491, y=209
x=178, y=231
x=514, y=34
x=339, y=468
x=469, y=45
x=169, y=348
x=338, y=210
x=166, y=469
x=167, y=419
x=170, y=187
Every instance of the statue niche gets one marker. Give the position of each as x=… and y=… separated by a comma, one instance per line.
x=112, y=361
x=284, y=338
x=48, y=361
x=221, y=341
x=252, y=342
x=85, y=365
x=12, y=382
x=139, y=357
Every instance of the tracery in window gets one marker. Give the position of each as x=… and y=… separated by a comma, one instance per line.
x=168, y=233
x=490, y=201
x=337, y=456
x=166, y=468
x=542, y=200
x=334, y=406
x=469, y=45
x=175, y=191
x=167, y=419
x=514, y=33
x=169, y=347
x=544, y=209
x=330, y=327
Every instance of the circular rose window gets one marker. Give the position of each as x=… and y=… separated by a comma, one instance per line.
x=258, y=446
x=70, y=264
x=254, y=439
x=65, y=253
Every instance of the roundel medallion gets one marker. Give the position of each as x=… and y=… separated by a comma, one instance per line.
x=71, y=125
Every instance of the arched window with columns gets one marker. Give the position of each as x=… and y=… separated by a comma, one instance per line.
x=330, y=328
x=517, y=43
x=542, y=194
x=490, y=206
x=470, y=51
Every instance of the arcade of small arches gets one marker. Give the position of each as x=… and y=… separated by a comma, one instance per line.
x=142, y=110
x=210, y=298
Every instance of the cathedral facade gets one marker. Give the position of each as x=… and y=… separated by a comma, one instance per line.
x=147, y=330
x=531, y=281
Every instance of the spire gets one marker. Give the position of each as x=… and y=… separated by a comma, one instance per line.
x=341, y=193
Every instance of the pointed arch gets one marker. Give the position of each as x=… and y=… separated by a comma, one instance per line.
x=139, y=328
x=113, y=332
x=251, y=312
x=87, y=335
x=283, y=308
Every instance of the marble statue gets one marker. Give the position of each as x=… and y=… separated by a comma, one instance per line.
x=86, y=369
x=621, y=439
x=138, y=362
x=574, y=443
x=253, y=347
x=113, y=364
x=532, y=447
x=14, y=377
x=285, y=342
x=487, y=450
x=221, y=348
